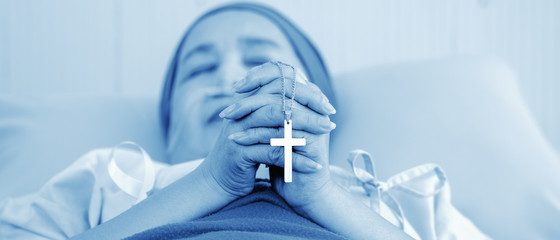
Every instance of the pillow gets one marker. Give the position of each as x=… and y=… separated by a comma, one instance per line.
x=467, y=115
x=39, y=136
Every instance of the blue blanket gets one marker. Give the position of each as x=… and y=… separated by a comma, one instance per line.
x=262, y=214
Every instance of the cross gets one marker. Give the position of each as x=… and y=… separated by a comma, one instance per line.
x=287, y=142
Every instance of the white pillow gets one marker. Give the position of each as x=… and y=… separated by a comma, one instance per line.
x=465, y=114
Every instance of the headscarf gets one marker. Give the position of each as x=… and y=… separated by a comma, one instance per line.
x=310, y=58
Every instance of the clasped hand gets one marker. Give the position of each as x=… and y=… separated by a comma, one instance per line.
x=251, y=122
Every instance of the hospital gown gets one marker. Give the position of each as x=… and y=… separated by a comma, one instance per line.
x=84, y=195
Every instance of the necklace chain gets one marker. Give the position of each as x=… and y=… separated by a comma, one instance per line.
x=287, y=113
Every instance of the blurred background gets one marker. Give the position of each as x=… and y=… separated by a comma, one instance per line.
x=123, y=47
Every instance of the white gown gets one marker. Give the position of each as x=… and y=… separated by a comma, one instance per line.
x=84, y=195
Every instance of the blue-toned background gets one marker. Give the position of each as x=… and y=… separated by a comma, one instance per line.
x=123, y=47
x=471, y=85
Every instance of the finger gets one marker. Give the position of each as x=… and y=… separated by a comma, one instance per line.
x=260, y=76
x=253, y=136
x=271, y=155
x=302, y=119
x=250, y=104
x=308, y=93
x=246, y=106
x=264, y=111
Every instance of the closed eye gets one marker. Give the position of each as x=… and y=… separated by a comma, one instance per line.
x=202, y=70
x=253, y=62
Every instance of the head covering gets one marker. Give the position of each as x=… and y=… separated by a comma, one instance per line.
x=310, y=58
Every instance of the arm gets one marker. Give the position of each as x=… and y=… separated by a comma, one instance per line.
x=340, y=212
x=188, y=198
x=229, y=170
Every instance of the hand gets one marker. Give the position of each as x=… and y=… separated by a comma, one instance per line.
x=261, y=114
x=258, y=116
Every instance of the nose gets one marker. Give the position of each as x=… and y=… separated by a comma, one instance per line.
x=232, y=70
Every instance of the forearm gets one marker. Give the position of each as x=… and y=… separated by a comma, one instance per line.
x=342, y=213
x=189, y=198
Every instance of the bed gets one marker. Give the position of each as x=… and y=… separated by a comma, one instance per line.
x=463, y=113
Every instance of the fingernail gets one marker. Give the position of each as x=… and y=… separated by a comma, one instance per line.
x=325, y=99
x=227, y=111
x=330, y=107
x=326, y=123
x=313, y=165
x=238, y=136
x=238, y=84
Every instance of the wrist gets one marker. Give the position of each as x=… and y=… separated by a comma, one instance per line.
x=322, y=198
x=208, y=182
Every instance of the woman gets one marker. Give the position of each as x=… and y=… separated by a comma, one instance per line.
x=222, y=100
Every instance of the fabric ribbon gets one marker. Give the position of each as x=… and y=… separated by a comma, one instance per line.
x=380, y=191
x=134, y=187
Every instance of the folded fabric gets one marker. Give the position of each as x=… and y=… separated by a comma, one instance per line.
x=418, y=200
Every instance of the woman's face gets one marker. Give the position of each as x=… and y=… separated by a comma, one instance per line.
x=219, y=51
